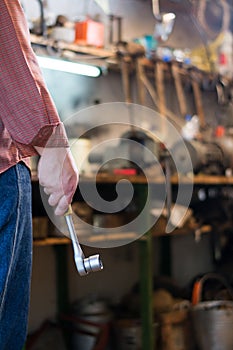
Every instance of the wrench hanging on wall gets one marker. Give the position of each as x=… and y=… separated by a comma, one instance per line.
x=179, y=88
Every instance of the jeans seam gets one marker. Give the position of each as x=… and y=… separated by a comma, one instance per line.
x=14, y=242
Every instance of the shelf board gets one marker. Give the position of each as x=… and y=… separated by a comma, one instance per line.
x=95, y=238
x=51, y=241
x=121, y=236
x=111, y=178
x=202, y=179
x=107, y=178
x=140, y=179
x=87, y=50
x=213, y=180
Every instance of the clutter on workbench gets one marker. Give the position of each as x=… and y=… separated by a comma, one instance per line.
x=191, y=127
x=88, y=323
x=89, y=32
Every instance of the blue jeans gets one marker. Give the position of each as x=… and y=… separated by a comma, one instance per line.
x=15, y=256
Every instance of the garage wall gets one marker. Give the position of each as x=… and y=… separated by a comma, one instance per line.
x=75, y=93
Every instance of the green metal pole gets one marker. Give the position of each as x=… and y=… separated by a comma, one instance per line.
x=165, y=266
x=146, y=274
x=62, y=286
x=61, y=278
x=146, y=292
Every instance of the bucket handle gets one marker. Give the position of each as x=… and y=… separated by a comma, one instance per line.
x=198, y=286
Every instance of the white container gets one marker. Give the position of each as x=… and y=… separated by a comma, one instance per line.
x=80, y=149
x=63, y=34
x=191, y=128
x=225, y=55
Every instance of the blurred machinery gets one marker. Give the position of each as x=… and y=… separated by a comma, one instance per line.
x=135, y=150
x=212, y=157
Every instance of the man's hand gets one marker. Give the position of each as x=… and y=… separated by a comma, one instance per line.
x=58, y=175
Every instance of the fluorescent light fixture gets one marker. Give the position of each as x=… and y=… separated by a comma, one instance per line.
x=68, y=66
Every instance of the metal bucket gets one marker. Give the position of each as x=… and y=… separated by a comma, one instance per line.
x=213, y=325
x=212, y=320
x=91, y=323
x=128, y=334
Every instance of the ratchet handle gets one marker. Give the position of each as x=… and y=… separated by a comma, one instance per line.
x=93, y=263
x=84, y=265
x=69, y=211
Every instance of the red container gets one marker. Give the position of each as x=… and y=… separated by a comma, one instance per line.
x=89, y=33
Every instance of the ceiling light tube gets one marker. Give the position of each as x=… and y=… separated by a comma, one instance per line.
x=68, y=66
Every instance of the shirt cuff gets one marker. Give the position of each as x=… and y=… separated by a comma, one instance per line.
x=51, y=135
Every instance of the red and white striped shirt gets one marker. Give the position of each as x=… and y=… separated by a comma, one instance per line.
x=28, y=116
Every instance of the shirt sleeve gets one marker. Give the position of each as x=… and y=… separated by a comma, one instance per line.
x=26, y=107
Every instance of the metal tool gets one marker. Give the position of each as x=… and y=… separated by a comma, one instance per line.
x=84, y=265
x=176, y=73
x=164, y=22
x=195, y=81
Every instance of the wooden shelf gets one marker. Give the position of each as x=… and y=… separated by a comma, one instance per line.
x=107, y=178
x=95, y=238
x=117, y=236
x=51, y=241
x=111, y=178
x=182, y=231
x=87, y=50
x=120, y=236
x=204, y=180
x=140, y=179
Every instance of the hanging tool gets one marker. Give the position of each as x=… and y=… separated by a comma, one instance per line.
x=195, y=81
x=112, y=19
x=160, y=87
x=84, y=265
x=164, y=22
x=126, y=62
x=176, y=72
x=42, y=19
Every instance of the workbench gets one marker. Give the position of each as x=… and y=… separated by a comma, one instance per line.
x=145, y=244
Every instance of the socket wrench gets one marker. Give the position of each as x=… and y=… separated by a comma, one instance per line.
x=84, y=265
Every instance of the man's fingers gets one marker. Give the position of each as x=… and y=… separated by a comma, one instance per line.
x=62, y=206
x=47, y=191
x=54, y=198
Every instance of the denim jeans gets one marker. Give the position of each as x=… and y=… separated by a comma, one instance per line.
x=15, y=255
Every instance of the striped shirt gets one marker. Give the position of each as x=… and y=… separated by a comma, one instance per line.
x=28, y=116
